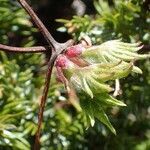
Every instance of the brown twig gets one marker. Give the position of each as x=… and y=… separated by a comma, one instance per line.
x=54, y=47
x=43, y=102
x=53, y=57
x=36, y=49
x=57, y=48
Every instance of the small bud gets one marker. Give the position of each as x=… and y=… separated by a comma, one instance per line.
x=74, y=51
x=66, y=66
x=63, y=62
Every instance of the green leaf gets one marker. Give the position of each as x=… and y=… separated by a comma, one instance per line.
x=86, y=87
x=113, y=50
x=93, y=109
x=101, y=116
x=87, y=108
x=107, y=100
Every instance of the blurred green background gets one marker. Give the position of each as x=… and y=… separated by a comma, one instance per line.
x=22, y=76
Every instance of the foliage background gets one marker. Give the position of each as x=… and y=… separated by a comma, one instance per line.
x=22, y=77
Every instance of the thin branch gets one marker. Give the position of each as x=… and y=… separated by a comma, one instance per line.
x=57, y=48
x=36, y=49
x=51, y=62
x=41, y=109
x=51, y=41
x=43, y=101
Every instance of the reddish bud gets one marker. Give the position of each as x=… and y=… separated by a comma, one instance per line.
x=74, y=51
x=63, y=62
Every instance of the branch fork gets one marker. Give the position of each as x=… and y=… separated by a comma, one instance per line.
x=56, y=49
